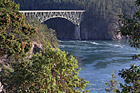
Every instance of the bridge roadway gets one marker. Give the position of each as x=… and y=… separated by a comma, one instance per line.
x=52, y=10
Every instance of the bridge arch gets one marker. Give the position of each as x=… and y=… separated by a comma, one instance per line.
x=69, y=19
x=65, y=29
x=75, y=16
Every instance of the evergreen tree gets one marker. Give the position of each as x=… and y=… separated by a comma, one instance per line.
x=14, y=32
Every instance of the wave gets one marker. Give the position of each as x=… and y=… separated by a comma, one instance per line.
x=71, y=41
x=68, y=46
x=114, y=45
x=74, y=46
x=117, y=46
x=94, y=43
x=60, y=41
x=79, y=41
x=90, y=42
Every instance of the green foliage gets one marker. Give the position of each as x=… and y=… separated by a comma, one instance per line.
x=51, y=71
x=130, y=27
x=44, y=34
x=112, y=85
x=131, y=78
x=14, y=32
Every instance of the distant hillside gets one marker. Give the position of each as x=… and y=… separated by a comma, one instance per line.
x=100, y=21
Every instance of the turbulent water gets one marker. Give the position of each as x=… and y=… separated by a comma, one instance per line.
x=98, y=59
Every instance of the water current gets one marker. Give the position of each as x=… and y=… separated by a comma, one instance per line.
x=98, y=59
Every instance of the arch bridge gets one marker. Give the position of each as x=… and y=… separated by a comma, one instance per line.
x=74, y=16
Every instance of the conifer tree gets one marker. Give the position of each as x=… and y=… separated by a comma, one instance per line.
x=14, y=32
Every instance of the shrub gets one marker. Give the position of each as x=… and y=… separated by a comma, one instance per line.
x=51, y=71
x=14, y=32
x=44, y=34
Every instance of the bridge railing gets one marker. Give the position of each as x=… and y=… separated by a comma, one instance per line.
x=51, y=11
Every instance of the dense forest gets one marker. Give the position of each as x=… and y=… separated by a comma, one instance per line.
x=100, y=20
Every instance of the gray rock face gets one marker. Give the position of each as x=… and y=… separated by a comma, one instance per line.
x=77, y=33
x=1, y=87
x=35, y=48
x=89, y=29
x=97, y=28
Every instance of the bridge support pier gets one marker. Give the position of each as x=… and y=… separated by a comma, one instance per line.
x=77, y=32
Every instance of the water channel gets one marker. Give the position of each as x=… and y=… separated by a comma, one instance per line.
x=98, y=59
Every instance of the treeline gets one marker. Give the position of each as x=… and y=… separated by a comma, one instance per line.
x=104, y=7
x=100, y=18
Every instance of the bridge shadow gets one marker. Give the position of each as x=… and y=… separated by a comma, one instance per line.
x=65, y=29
